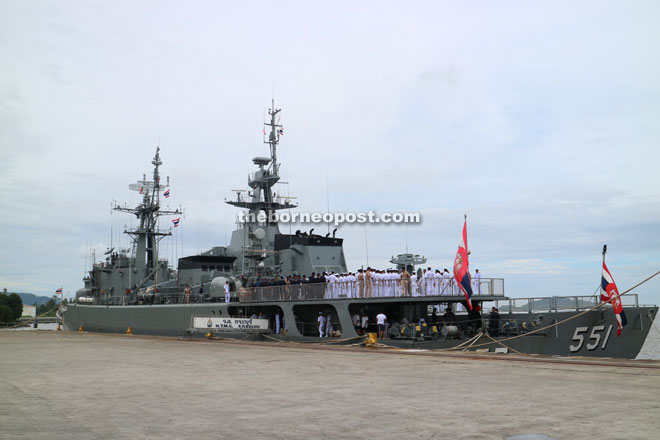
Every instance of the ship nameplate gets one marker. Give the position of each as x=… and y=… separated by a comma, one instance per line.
x=227, y=324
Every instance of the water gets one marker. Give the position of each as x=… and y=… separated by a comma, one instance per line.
x=651, y=347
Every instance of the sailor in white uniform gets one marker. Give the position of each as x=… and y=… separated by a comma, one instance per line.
x=413, y=284
x=445, y=283
x=428, y=282
x=477, y=282
x=227, y=294
x=437, y=281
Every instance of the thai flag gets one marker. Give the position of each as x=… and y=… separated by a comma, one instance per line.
x=58, y=291
x=176, y=221
x=167, y=193
x=461, y=267
x=609, y=293
x=281, y=132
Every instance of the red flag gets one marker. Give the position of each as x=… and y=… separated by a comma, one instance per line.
x=461, y=267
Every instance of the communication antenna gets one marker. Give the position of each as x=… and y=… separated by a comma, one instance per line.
x=366, y=243
x=327, y=193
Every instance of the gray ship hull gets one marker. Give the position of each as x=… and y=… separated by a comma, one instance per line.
x=586, y=333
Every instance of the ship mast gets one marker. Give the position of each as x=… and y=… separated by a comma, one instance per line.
x=256, y=233
x=147, y=236
x=262, y=198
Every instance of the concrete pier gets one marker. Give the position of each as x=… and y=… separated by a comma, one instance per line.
x=60, y=385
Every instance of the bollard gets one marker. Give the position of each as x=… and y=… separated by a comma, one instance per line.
x=59, y=329
x=81, y=329
x=209, y=335
x=129, y=331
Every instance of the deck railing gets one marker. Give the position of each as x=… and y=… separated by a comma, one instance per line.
x=486, y=287
x=557, y=303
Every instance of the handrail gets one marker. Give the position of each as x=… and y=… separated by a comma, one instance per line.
x=493, y=287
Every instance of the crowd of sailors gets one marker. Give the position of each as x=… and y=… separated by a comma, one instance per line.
x=375, y=283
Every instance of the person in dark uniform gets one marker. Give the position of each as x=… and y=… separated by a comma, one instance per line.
x=474, y=316
x=449, y=317
x=494, y=322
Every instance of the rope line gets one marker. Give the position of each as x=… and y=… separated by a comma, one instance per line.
x=597, y=306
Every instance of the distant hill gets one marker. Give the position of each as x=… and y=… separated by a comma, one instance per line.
x=31, y=298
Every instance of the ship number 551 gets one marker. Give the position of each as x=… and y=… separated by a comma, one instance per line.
x=594, y=338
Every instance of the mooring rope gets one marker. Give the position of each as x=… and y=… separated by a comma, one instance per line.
x=597, y=306
x=470, y=341
x=500, y=343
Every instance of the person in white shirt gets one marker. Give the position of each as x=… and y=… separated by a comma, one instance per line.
x=356, y=322
x=321, y=321
x=364, y=321
x=381, y=319
x=477, y=282
x=413, y=284
x=332, y=282
x=437, y=282
x=396, y=281
x=428, y=282
x=377, y=279
x=227, y=294
x=446, y=281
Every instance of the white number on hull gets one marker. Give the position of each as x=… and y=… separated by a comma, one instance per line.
x=596, y=336
x=578, y=338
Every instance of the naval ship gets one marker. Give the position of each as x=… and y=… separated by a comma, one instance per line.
x=268, y=285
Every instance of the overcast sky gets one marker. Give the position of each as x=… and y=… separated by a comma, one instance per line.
x=537, y=119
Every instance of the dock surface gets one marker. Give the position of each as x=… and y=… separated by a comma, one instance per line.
x=65, y=385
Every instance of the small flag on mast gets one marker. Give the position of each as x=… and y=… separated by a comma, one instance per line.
x=176, y=221
x=167, y=193
x=58, y=291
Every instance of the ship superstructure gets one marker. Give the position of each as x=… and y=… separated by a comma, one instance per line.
x=258, y=248
x=133, y=269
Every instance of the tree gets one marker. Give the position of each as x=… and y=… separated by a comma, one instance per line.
x=16, y=304
x=12, y=307
x=49, y=306
x=6, y=313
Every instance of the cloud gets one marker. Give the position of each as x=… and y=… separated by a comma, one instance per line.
x=540, y=125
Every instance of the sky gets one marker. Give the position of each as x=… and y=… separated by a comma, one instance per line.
x=539, y=120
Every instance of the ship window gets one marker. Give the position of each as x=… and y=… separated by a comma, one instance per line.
x=205, y=268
